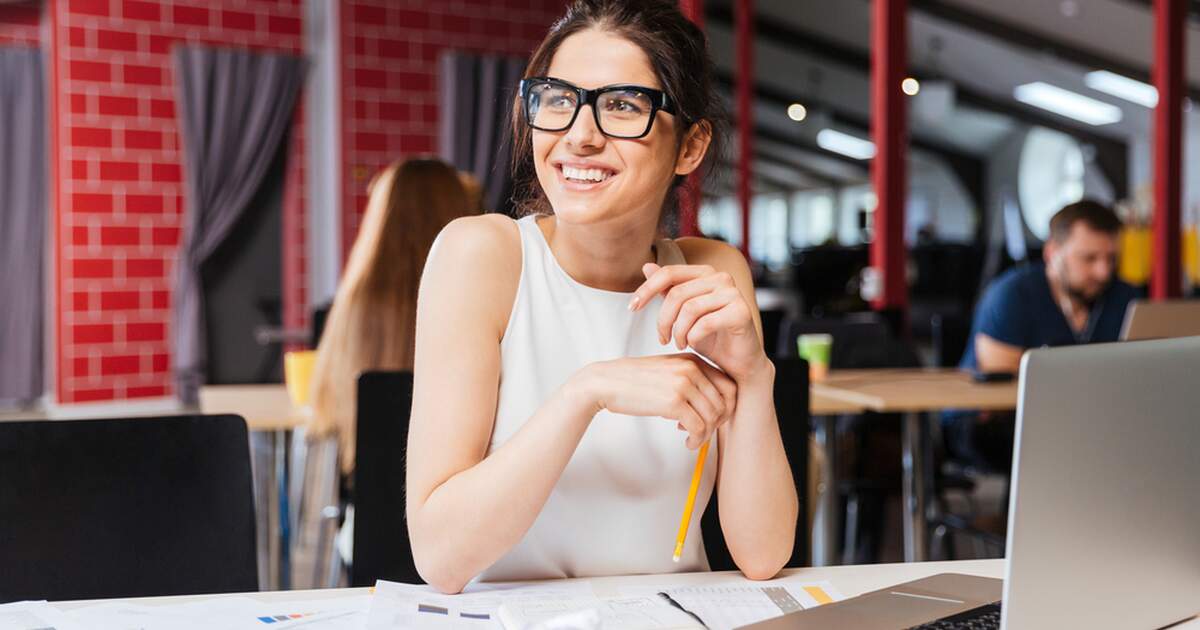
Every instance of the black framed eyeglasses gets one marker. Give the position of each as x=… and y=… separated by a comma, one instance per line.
x=620, y=111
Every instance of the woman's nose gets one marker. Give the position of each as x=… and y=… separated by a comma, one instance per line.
x=584, y=132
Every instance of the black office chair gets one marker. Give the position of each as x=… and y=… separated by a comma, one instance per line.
x=868, y=443
x=772, y=327
x=791, y=410
x=125, y=508
x=381, y=546
x=860, y=340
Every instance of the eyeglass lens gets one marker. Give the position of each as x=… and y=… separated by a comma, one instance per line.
x=622, y=113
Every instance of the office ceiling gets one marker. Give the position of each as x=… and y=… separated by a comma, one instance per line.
x=817, y=53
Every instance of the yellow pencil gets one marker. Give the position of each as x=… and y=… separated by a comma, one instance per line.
x=691, y=502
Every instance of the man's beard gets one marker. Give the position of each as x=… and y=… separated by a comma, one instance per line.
x=1081, y=296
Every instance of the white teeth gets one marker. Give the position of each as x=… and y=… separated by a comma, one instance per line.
x=587, y=174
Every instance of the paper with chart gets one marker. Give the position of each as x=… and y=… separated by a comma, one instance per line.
x=403, y=606
x=589, y=612
x=720, y=606
x=34, y=616
x=229, y=613
x=733, y=604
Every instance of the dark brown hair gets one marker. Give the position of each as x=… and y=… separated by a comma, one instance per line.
x=1093, y=214
x=678, y=54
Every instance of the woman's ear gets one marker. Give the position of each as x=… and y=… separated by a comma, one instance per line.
x=694, y=146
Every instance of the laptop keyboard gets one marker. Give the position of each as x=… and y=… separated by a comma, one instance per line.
x=982, y=618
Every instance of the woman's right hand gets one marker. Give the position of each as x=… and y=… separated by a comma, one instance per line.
x=680, y=387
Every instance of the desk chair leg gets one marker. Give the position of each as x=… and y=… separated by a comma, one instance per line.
x=283, y=544
x=318, y=478
x=825, y=533
x=850, y=543
x=273, y=521
x=327, y=563
x=938, y=547
x=914, y=488
x=337, y=571
x=262, y=474
x=298, y=467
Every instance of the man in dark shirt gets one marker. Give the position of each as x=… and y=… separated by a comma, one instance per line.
x=1071, y=299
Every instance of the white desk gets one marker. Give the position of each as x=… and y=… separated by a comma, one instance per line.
x=850, y=580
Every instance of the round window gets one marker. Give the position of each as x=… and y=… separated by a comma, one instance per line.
x=1049, y=177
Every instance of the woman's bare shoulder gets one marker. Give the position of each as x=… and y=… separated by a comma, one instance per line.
x=717, y=254
x=492, y=238
x=475, y=263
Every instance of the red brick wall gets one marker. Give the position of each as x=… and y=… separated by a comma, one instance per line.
x=118, y=167
x=20, y=25
x=389, y=82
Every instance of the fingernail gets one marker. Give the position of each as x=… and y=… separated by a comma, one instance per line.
x=633, y=303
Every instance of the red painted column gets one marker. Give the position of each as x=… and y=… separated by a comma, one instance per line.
x=744, y=42
x=689, y=198
x=889, y=131
x=1166, y=279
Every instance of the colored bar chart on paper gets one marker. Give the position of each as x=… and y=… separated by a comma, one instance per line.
x=284, y=618
x=818, y=594
x=736, y=604
x=326, y=620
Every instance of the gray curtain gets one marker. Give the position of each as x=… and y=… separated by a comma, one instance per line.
x=476, y=95
x=23, y=212
x=235, y=111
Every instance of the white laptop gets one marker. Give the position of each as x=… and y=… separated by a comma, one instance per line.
x=1104, y=519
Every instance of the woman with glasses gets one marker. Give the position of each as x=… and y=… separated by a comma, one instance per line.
x=569, y=363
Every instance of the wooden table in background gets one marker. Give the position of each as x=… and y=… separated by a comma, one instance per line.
x=915, y=390
x=822, y=404
x=911, y=392
x=267, y=409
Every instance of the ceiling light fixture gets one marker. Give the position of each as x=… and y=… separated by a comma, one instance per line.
x=910, y=86
x=1120, y=86
x=797, y=112
x=1067, y=103
x=845, y=144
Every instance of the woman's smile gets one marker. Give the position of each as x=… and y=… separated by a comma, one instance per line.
x=583, y=175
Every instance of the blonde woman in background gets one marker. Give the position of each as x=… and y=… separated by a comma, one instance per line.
x=372, y=323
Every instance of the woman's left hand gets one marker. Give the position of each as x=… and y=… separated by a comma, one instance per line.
x=704, y=309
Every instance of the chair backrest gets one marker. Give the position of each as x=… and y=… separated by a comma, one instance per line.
x=862, y=340
x=791, y=410
x=126, y=508
x=772, y=327
x=381, y=546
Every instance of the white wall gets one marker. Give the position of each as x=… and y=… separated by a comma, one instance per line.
x=323, y=125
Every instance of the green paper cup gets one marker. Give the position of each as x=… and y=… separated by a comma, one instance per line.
x=815, y=349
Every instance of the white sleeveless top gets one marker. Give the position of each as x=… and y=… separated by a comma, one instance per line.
x=617, y=506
